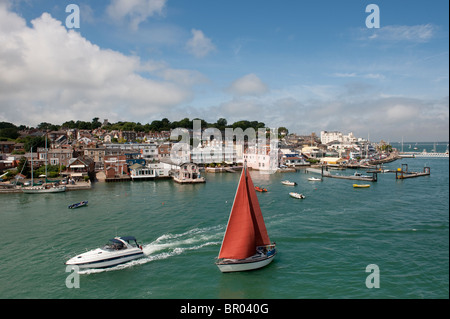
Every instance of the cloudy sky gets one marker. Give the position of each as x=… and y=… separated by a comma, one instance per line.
x=306, y=65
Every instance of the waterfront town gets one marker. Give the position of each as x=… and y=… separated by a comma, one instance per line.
x=77, y=156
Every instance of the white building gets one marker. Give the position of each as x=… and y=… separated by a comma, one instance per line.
x=149, y=171
x=263, y=158
x=328, y=137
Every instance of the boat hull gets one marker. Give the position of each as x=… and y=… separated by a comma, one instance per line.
x=297, y=195
x=41, y=190
x=78, y=205
x=244, y=265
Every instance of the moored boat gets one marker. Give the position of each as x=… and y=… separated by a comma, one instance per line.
x=119, y=250
x=288, y=183
x=297, y=195
x=80, y=204
x=246, y=244
x=361, y=185
x=46, y=188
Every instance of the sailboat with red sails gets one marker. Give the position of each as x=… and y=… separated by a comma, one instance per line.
x=246, y=244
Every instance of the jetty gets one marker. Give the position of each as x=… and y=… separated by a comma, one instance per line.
x=403, y=173
x=325, y=173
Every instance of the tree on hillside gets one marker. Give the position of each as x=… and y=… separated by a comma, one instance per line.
x=34, y=142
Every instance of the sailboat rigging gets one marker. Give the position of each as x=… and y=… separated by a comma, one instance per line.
x=246, y=244
x=47, y=187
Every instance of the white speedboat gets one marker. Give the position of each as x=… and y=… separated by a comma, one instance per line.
x=119, y=250
x=288, y=183
x=312, y=179
x=297, y=195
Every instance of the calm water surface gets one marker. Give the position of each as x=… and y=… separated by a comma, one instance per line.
x=325, y=241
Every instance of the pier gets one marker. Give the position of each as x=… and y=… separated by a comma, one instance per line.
x=403, y=173
x=326, y=173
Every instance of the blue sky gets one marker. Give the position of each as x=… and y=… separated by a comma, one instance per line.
x=306, y=65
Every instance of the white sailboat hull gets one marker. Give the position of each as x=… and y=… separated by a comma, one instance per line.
x=41, y=189
x=244, y=264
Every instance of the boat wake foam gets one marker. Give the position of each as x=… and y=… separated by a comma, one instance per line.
x=169, y=245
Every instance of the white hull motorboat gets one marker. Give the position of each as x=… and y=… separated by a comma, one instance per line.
x=118, y=251
x=297, y=195
x=288, y=183
x=313, y=179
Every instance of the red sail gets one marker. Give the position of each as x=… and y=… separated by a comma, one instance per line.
x=246, y=229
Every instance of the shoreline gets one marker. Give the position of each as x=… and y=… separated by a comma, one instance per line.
x=18, y=189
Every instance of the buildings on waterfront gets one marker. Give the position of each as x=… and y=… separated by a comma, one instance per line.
x=116, y=155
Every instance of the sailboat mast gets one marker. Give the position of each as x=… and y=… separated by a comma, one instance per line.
x=32, y=180
x=46, y=155
x=235, y=196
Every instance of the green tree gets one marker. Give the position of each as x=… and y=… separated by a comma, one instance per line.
x=48, y=126
x=221, y=124
x=6, y=125
x=11, y=133
x=95, y=123
x=34, y=142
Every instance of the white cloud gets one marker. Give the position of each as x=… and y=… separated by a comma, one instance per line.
x=135, y=11
x=373, y=76
x=50, y=74
x=305, y=109
x=249, y=84
x=399, y=33
x=199, y=45
x=344, y=75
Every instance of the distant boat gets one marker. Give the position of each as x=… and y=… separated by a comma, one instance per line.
x=80, y=204
x=260, y=189
x=312, y=179
x=361, y=185
x=297, y=195
x=47, y=187
x=246, y=244
x=357, y=174
x=288, y=183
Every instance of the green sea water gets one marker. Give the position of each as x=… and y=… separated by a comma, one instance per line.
x=325, y=241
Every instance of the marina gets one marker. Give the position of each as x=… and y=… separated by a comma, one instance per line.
x=193, y=151
x=324, y=242
x=403, y=173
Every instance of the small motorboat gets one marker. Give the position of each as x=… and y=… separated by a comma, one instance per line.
x=260, y=189
x=297, y=195
x=288, y=183
x=312, y=179
x=361, y=185
x=77, y=205
x=117, y=251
